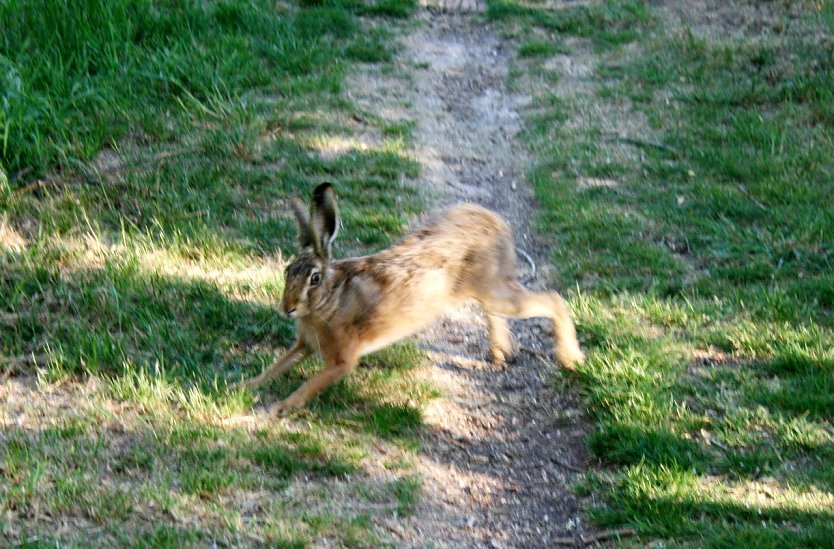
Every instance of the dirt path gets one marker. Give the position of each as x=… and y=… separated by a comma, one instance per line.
x=500, y=447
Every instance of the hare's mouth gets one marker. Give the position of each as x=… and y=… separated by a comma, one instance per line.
x=292, y=313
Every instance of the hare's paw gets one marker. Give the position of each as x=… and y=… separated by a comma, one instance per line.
x=285, y=407
x=280, y=409
x=570, y=358
x=501, y=357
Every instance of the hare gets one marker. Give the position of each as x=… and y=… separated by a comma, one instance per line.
x=344, y=309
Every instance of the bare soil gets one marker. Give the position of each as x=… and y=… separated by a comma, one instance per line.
x=503, y=447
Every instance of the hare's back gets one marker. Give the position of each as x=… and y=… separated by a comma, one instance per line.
x=465, y=241
x=452, y=258
x=459, y=229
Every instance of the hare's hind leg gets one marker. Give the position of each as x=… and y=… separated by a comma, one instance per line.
x=500, y=341
x=295, y=355
x=513, y=300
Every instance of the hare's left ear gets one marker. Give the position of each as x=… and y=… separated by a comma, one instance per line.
x=306, y=233
x=324, y=218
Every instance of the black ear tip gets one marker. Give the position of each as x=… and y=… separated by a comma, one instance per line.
x=321, y=189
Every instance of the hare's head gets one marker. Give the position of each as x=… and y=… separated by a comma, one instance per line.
x=308, y=278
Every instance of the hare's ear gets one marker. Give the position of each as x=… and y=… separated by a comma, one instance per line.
x=306, y=236
x=325, y=219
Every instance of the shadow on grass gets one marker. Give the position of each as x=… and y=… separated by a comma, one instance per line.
x=719, y=520
x=800, y=386
x=123, y=322
x=658, y=446
x=743, y=421
x=361, y=402
x=156, y=471
x=162, y=347
x=218, y=205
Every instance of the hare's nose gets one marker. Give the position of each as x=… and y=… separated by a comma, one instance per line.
x=291, y=313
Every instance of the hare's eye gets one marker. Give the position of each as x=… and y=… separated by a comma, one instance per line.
x=315, y=278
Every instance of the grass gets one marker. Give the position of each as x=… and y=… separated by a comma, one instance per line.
x=689, y=207
x=147, y=153
x=606, y=23
x=114, y=67
x=540, y=48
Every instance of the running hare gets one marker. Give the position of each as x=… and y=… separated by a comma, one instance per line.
x=346, y=308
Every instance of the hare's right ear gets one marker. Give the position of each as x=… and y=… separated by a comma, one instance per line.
x=325, y=218
x=306, y=236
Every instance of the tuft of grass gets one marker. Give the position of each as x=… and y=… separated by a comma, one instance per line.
x=400, y=129
x=407, y=491
x=608, y=23
x=540, y=48
x=702, y=260
x=390, y=8
x=373, y=46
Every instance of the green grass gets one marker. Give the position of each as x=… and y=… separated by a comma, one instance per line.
x=112, y=68
x=540, y=48
x=699, y=239
x=146, y=154
x=606, y=23
x=167, y=463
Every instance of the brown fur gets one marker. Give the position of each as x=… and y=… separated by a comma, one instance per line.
x=366, y=303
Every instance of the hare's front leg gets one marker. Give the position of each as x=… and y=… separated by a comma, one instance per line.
x=295, y=355
x=337, y=364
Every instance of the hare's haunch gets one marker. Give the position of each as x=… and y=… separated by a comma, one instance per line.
x=346, y=308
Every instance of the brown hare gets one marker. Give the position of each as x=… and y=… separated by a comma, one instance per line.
x=344, y=309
